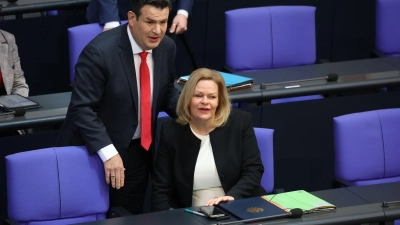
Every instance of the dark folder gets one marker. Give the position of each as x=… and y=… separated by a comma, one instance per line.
x=251, y=208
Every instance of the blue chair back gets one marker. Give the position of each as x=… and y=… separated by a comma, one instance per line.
x=270, y=37
x=61, y=185
x=265, y=144
x=367, y=147
x=388, y=27
x=79, y=37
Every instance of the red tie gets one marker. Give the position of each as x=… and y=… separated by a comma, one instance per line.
x=145, y=103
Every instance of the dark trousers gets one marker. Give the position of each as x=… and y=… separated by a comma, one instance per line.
x=137, y=163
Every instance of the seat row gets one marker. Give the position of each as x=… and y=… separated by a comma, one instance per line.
x=66, y=184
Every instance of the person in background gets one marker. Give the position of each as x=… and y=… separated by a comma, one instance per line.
x=12, y=80
x=210, y=153
x=124, y=78
x=110, y=13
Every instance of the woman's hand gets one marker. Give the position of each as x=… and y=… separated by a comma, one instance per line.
x=216, y=200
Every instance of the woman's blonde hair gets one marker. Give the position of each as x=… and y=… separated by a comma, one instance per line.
x=224, y=106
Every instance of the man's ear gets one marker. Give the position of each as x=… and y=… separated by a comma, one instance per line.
x=131, y=16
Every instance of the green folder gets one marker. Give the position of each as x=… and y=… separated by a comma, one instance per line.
x=232, y=81
x=299, y=199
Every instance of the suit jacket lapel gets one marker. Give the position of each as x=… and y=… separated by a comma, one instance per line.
x=126, y=57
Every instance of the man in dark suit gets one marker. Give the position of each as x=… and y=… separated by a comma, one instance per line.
x=110, y=13
x=105, y=112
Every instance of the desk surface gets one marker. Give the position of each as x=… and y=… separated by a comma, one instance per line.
x=351, y=209
x=27, y=6
x=395, y=61
x=353, y=75
x=53, y=111
x=378, y=193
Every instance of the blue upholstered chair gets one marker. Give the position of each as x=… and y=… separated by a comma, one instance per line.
x=265, y=144
x=387, y=40
x=367, y=147
x=270, y=37
x=79, y=37
x=61, y=185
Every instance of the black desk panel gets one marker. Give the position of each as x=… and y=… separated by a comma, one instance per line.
x=357, y=75
x=28, y=6
x=351, y=209
x=171, y=217
x=389, y=192
x=395, y=61
x=359, y=214
x=340, y=197
x=378, y=193
x=53, y=111
x=353, y=75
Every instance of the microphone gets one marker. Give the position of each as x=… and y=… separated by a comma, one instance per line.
x=328, y=77
x=18, y=112
x=294, y=213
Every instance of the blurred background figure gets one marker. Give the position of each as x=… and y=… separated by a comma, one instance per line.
x=12, y=80
x=110, y=13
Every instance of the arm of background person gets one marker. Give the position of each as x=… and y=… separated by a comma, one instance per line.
x=104, y=12
x=19, y=85
x=180, y=21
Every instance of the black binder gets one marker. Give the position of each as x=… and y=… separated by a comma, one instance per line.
x=251, y=208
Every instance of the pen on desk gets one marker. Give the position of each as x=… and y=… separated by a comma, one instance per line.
x=194, y=212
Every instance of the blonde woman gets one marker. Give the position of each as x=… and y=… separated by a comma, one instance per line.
x=210, y=153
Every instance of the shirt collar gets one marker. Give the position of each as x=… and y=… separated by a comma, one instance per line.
x=135, y=47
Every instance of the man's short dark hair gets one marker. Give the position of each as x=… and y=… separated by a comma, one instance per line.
x=137, y=5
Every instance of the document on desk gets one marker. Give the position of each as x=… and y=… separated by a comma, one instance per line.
x=232, y=82
x=299, y=199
